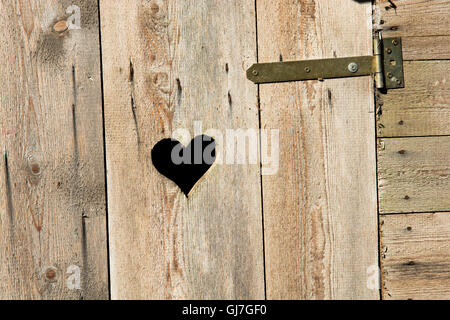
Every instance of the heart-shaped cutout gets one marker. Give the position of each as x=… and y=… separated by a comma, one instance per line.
x=184, y=165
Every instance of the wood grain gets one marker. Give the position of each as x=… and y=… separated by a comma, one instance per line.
x=422, y=108
x=414, y=174
x=166, y=65
x=52, y=192
x=413, y=18
x=320, y=212
x=416, y=256
x=424, y=26
x=426, y=48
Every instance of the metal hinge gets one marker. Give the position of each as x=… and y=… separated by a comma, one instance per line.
x=386, y=65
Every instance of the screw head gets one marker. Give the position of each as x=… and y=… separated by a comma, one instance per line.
x=389, y=51
x=389, y=75
x=307, y=69
x=399, y=82
x=353, y=67
x=395, y=42
x=255, y=72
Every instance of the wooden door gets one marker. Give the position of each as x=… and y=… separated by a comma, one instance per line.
x=307, y=232
x=90, y=87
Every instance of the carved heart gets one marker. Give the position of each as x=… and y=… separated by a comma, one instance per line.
x=184, y=165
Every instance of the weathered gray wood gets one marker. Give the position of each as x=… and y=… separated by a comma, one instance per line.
x=416, y=256
x=414, y=174
x=320, y=208
x=422, y=108
x=424, y=26
x=166, y=65
x=52, y=193
x=412, y=18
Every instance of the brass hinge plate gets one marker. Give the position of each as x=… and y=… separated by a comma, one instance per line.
x=389, y=58
x=393, y=63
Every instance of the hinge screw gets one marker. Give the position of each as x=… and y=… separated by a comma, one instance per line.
x=307, y=70
x=389, y=51
x=395, y=42
x=255, y=72
x=353, y=67
x=389, y=75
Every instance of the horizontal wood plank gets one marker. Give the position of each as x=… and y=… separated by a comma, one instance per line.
x=414, y=174
x=416, y=256
x=426, y=48
x=412, y=18
x=424, y=26
x=422, y=108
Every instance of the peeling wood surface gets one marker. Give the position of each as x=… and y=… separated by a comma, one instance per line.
x=416, y=256
x=320, y=212
x=52, y=192
x=422, y=108
x=414, y=174
x=177, y=62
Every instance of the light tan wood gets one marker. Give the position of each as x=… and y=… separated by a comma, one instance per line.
x=166, y=65
x=416, y=256
x=424, y=26
x=422, y=108
x=52, y=192
x=413, y=18
x=320, y=209
x=414, y=174
x=426, y=48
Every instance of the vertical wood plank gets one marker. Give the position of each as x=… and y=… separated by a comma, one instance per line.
x=52, y=193
x=320, y=210
x=167, y=64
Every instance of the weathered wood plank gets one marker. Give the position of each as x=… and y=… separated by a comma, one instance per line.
x=168, y=64
x=422, y=108
x=426, y=48
x=52, y=192
x=424, y=26
x=413, y=18
x=416, y=256
x=414, y=174
x=320, y=212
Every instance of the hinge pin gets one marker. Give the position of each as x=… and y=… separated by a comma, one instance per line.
x=378, y=53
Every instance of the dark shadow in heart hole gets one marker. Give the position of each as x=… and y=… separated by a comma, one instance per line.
x=184, y=165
